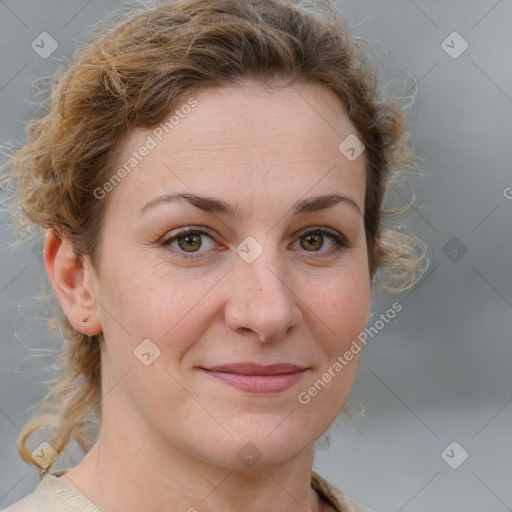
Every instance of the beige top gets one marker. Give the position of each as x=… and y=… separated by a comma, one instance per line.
x=53, y=495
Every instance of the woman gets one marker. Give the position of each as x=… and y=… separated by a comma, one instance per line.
x=210, y=179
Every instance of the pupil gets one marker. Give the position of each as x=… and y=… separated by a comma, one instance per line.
x=189, y=241
x=311, y=239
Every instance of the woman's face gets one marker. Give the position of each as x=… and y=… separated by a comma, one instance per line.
x=182, y=314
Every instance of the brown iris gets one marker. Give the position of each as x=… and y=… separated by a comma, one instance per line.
x=314, y=240
x=192, y=242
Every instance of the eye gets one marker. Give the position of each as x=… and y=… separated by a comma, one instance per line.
x=189, y=241
x=314, y=240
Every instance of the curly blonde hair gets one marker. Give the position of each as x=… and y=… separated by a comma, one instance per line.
x=133, y=70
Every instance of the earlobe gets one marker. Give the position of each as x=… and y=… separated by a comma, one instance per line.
x=73, y=283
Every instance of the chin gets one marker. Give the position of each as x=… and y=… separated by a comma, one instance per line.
x=259, y=441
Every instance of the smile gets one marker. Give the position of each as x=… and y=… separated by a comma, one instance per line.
x=255, y=378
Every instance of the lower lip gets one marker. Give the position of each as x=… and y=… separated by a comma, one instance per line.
x=258, y=383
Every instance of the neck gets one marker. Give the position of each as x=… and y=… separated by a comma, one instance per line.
x=121, y=473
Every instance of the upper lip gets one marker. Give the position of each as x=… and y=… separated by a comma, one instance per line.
x=257, y=369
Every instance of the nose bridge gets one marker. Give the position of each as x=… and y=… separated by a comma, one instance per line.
x=263, y=269
x=261, y=297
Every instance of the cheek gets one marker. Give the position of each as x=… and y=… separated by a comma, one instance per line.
x=340, y=313
x=160, y=305
x=342, y=304
x=163, y=305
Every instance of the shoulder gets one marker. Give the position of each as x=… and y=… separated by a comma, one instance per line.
x=26, y=504
x=53, y=495
x=339, y=500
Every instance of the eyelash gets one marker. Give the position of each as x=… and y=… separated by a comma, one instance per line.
x=341, y=243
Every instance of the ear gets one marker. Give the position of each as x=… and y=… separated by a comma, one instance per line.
x=73, y=280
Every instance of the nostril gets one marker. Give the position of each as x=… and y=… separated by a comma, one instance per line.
x=246, y=331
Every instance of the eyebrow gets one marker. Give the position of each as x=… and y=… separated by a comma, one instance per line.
x=210, y=204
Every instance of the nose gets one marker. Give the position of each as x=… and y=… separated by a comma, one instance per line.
x=262, y=301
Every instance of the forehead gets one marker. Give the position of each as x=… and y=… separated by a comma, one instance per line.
x=241, y=140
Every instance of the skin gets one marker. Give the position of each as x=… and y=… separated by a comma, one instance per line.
x=170, y=433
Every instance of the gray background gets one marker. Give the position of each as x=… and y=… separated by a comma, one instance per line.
x=442, y=371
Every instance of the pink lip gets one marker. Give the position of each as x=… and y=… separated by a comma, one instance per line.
x=256, y=378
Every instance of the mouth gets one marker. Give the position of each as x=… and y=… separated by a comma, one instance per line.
x=256, y=378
